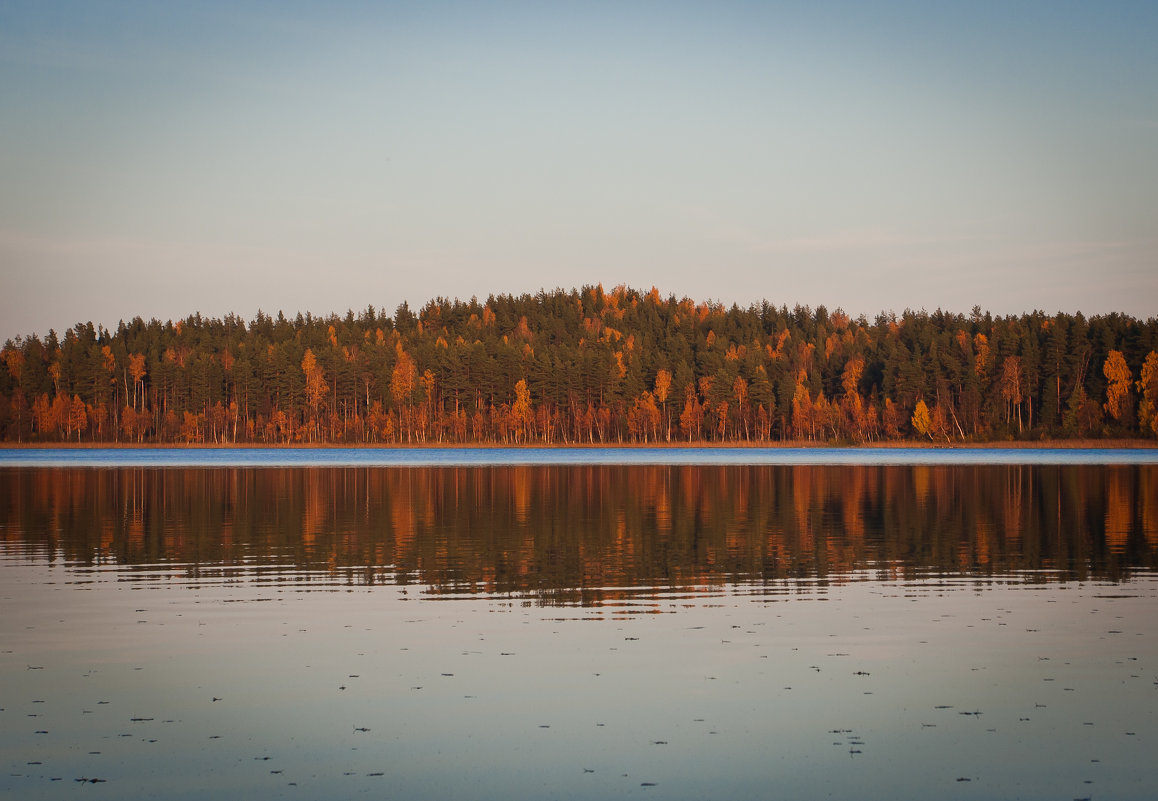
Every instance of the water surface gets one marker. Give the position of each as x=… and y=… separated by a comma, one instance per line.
x=580, y=631
x=433, y=457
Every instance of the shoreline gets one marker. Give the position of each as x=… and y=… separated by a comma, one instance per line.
x=1056, y=444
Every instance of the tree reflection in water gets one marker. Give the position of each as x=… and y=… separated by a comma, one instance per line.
x=592, y=535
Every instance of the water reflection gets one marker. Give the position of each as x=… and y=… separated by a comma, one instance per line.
x=588, y=534
x=161, y=630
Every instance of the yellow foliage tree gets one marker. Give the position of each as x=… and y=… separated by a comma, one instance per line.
x=1148, y=389
x=803, y=424
x=981, y=360
x=78, y=416
x=662, y=385
x=402, y=385
x=315, y=386
x=402, y=378
x=850, y=378
x=922, y=421
x=521, y=409
x=740, y=390
x=137, y=369
x=643, y=420
x=1118, y=385
x=692, y=417
x=1011, y=387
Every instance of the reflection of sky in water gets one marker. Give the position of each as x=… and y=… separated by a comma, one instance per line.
x=836, y=690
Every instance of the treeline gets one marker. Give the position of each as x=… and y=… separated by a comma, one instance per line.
x=585, y=366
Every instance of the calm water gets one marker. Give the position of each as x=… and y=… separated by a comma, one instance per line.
x=931, y=630
x=485, y=457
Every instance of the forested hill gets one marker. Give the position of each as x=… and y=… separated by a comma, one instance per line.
x=585, y=366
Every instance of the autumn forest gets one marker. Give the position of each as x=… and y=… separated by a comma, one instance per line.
x=585, y=367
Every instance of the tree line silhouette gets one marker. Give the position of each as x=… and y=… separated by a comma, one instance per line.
x=585, y=366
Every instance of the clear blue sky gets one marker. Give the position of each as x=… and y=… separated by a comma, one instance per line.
x=159, y=159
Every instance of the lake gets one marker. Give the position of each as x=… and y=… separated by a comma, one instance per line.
x=525, y=624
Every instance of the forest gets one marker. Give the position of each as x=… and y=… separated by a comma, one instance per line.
x=585, y=366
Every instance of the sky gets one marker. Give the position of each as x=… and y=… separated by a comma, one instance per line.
x=161, y=159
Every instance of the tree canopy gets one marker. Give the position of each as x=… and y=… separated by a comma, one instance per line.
x=585, y=366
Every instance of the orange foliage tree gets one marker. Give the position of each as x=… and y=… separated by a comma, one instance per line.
x=1148, y=391
x=1118, y=386
x=402, y=386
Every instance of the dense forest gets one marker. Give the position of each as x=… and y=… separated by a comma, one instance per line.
x=585, y=366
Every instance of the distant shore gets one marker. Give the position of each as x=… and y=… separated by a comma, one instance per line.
x=1053, y=444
